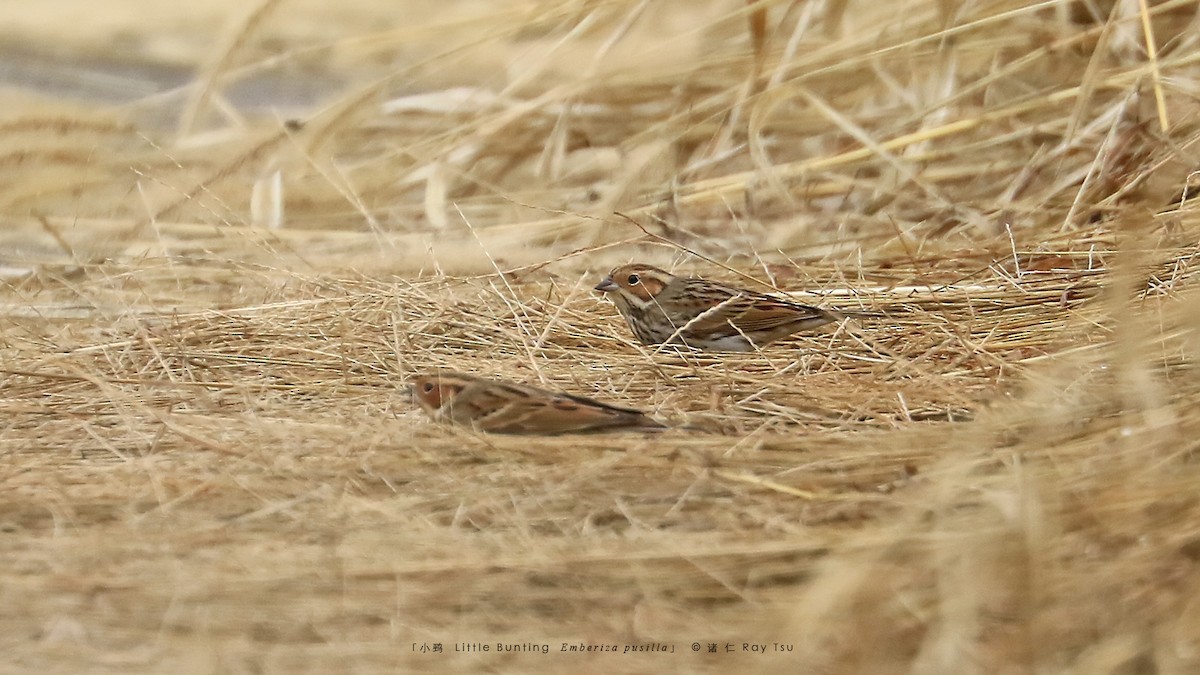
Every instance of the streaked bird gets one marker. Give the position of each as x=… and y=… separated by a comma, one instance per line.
x=509, y=408
x=661, y=307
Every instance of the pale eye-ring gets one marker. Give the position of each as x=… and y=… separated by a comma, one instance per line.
x=427, y=387
x=634, y=280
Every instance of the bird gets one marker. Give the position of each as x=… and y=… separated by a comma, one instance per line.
x=502, y=407
x=663, y=308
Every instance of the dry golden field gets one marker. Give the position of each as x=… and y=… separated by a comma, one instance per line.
x=231, y=233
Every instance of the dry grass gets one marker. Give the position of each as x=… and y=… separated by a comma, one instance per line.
x=211, y=307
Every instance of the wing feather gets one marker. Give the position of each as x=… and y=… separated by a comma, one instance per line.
x=511, y=408
x=751, y=312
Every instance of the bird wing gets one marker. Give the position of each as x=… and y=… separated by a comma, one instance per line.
x=562, y=413
x=751, y=313
x=515, y=409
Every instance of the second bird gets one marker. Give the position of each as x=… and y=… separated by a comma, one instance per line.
x=662, y=307
x=510, y=408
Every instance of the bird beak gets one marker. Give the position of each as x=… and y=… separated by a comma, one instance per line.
x=606, y=285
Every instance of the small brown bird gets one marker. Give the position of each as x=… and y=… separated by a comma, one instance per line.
x=509, y=408
x=661, y=307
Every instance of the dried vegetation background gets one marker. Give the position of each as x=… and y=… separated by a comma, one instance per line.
x=231, y=234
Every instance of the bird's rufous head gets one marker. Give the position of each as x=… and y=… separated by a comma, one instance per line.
x=636, y=282
x=433, y=391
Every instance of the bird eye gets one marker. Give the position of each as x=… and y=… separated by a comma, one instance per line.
x=427, y=387
x=634, y=279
